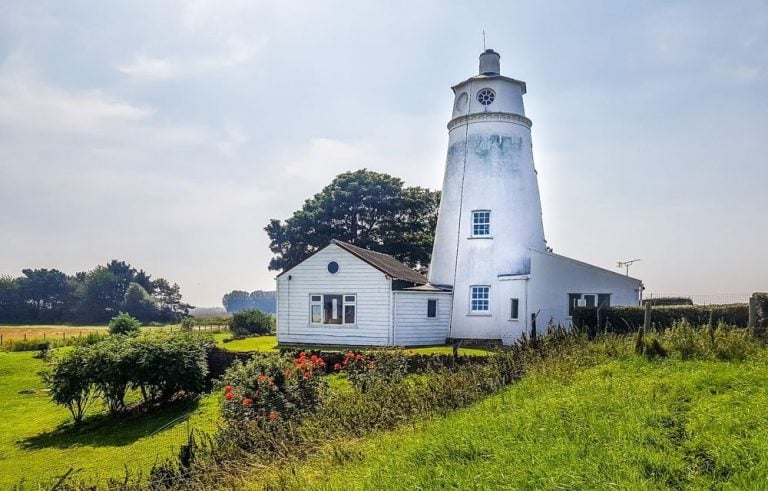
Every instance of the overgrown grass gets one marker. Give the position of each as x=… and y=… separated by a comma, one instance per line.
x=624, y=423
x=37, y=443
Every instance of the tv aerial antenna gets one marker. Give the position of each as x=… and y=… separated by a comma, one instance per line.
x=626, y=264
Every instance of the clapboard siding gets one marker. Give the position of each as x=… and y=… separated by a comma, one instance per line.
x=355, y=277
x=413, y=327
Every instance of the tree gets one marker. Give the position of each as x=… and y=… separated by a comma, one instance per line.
x=238, y=300
x=140, y=304
x=46, y=291
x=365, y=208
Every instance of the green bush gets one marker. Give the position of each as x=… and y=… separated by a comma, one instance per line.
x=69, y=379
x=187, y=323
x=251, y=322
x=123, y=323
x=161, y=366
x=666, y=301
x=270, y=388
x=625, y=320
x=366, y=369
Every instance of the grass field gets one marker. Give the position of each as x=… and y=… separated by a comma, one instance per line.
x=34, y=446
x=46, y=331
x=626, y=424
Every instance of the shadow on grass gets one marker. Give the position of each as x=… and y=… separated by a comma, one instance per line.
x=104, y=431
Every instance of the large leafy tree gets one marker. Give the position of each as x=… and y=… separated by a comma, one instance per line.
x=368, y=209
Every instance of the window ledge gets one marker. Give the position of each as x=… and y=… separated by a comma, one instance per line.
x=513, y=320
x=480, y=237
x=334, y=326
x=479, y=314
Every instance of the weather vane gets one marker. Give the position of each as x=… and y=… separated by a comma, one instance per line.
x=483, y=39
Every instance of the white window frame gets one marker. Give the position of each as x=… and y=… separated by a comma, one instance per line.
x=344, y=304
x=511, y=302
x=486, y=311
x=437, y=304
x=476, y=213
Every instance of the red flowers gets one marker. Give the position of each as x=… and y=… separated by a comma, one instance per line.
x=273, y=415
x=247, y=402
x=261, y=377
x=306, y=374
x=288, y=372
x=228, y=388
x=337, y=366
x=229, y=395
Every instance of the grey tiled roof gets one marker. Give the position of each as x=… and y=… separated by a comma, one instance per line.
x=384, y=263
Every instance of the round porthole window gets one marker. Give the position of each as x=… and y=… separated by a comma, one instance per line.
x=486, y=96
x=333, y=267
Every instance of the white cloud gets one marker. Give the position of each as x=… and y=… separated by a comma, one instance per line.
x=147, y=67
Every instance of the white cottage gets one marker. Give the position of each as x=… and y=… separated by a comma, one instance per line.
x=345, y=295
x=492, y=274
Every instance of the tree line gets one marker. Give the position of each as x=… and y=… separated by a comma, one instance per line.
x=239, y=300
x=49, y=296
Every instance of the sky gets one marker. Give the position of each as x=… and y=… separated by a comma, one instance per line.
x=167, y=134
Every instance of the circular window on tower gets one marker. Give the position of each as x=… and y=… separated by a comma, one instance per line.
x=333, y=267
x=486, y=96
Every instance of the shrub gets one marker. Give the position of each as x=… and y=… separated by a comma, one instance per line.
x=364, y=370
x=69, y=379
x=124, y=324
x=112, y=367
x=187, y=323
x=624, y=320
x=666, y=301
x=251, y=322
x=159, y=365
x=269, y=388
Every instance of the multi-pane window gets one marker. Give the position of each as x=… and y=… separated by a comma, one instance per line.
x=514, y=308
x=479, y=300
x=432, y=308
x=588, y=300
x=481, y=223
x=332, y=309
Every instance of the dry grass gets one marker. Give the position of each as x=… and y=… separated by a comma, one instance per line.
x=15, y=333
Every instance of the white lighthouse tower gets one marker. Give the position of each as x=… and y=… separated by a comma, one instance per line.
x=489, y=243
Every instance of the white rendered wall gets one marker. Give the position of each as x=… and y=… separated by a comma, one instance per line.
x=489, y=167
x=373, y=290
x=553, y=277
x=412, y=326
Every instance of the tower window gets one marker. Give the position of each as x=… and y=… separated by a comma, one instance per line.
x=480, y=299
x=481, y=223
x=486, y=97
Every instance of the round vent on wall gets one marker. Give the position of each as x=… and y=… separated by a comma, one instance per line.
x=333, y=267
x=486, y=96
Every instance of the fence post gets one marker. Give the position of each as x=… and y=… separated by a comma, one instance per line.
x=1, y=339
x=647, y=319
x=25, y=336
x=752, y=323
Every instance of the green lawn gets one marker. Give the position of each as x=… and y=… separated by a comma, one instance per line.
x=258, y=343
x=269, y=343
x=34, y=448
x=628, y=424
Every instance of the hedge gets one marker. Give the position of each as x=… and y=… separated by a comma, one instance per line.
x=762, y=309
x=668, y=301
x=623, y=320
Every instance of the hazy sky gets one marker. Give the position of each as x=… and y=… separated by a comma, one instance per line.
x=167, y=134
